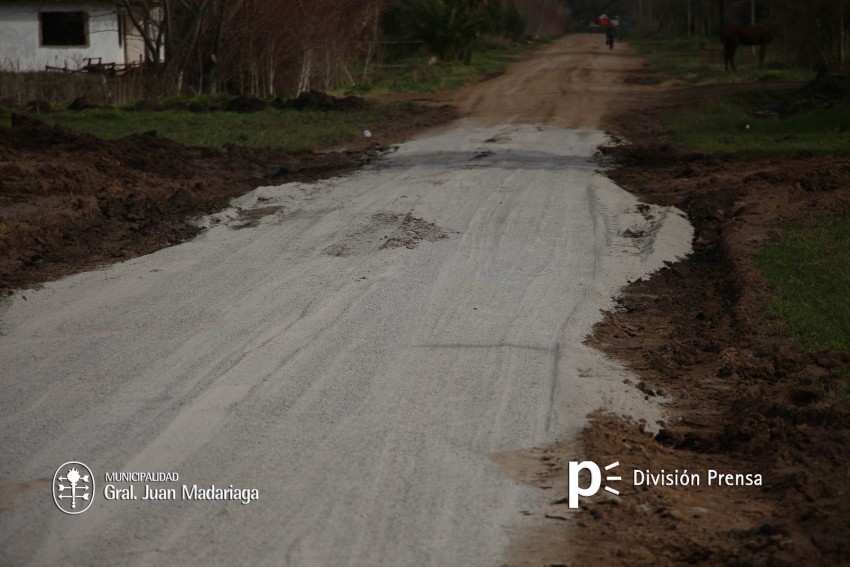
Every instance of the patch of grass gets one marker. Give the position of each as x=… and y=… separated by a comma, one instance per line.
x=686, y=70
x=692, y=60
x=809, y=268
x=270, y=128
x=422, y=75
x=727, y=126
x=200, y=101
x=655, y=44
x=426, y=74
x=841, y=388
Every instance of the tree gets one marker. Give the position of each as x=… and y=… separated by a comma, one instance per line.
x=253, y=46
x=814, y=32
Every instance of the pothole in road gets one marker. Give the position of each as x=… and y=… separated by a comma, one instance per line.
x=387, y=230
x=250, y=218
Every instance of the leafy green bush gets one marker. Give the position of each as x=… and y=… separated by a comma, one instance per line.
x=450, y=28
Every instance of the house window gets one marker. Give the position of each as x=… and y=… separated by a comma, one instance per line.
x=64, y=29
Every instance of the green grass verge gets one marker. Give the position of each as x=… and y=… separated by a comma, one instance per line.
x=809, y=268
x=729, y=126
x=691, y=60
x=270, y=128
x=652, y=44
x=424, y=74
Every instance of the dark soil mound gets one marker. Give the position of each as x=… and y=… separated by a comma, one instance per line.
x=71, y=201
x=315, y=100
x=38, y=107
x=82, y=103
x=827, y=90
x=245, y=104
x=192, y=105
x=311, y=100
x=29, y=133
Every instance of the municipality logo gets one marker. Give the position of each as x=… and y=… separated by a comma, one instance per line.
x=73, y=487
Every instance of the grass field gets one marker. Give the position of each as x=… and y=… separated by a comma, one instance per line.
x=730, y=125
x=683, y=61
x=809, y=267
x=270, y=128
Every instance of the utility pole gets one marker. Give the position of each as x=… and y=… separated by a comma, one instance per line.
x=722, y=27
x=753, y=19
x=841, y=34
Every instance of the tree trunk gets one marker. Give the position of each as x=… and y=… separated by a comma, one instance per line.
x=842, y=40
x=373, y=40
x=306, y=70
x=722, y=17
x=753, y=18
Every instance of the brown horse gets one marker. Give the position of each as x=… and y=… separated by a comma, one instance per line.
x=745, y=35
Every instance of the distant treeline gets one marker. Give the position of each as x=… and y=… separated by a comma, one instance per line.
x=265, y=47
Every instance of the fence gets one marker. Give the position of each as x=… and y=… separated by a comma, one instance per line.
x=56, y=88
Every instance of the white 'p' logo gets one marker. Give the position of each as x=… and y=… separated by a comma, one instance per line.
x=575, y=490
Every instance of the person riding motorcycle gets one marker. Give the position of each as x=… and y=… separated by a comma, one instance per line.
x=610, y=35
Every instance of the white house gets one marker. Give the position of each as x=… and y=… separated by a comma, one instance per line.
x=54, y=33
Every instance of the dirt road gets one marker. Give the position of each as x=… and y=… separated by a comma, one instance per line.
x=574, y=83
x=354, y=349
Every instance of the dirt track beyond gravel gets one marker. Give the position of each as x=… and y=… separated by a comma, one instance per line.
x=576, y=82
